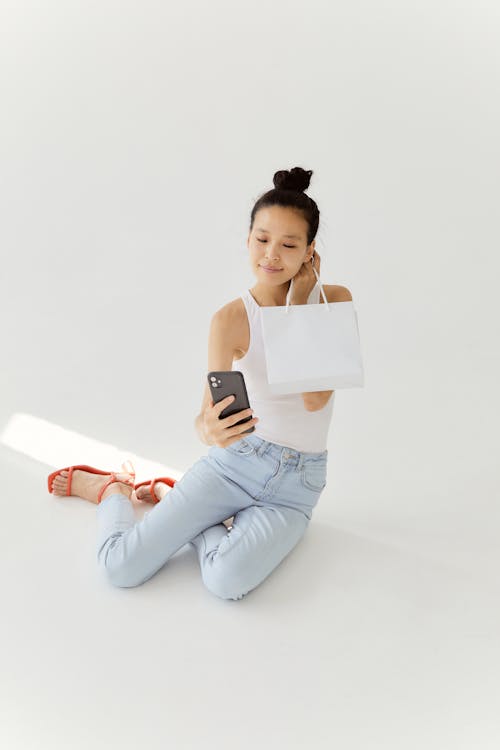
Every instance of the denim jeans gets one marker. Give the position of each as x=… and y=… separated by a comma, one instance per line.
x=270, y=490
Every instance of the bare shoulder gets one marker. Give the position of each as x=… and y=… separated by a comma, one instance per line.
x=232, y=312
x=229, y=319
x=336, y=293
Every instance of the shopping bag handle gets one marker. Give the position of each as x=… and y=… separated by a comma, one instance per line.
x=288, y=296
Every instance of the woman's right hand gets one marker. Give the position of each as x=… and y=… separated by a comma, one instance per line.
x=223, y=432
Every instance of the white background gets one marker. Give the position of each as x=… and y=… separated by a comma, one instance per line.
x=134, y=141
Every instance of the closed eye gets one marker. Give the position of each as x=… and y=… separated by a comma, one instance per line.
x=283, y=245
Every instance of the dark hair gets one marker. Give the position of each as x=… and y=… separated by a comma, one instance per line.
x=289, y=187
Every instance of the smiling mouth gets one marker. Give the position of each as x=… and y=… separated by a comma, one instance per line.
x=271, y=269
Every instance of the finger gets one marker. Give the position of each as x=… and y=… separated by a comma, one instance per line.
x=234, y=418
x=241, y=428
x=221, y=405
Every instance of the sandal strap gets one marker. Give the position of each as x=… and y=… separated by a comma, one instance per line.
x=152, y=484
x=165, y=480
x=152, y=490
x=70, y=477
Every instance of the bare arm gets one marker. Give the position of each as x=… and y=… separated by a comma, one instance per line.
x=198, y=423
x=221, y=348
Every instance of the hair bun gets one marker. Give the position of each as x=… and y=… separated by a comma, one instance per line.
x=296, y=179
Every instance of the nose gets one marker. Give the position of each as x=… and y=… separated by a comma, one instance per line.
x=272, y=255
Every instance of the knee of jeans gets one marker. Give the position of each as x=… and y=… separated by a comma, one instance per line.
x=113, y=562
x=224, y=584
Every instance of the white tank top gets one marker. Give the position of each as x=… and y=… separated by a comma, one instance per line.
x=283, y=419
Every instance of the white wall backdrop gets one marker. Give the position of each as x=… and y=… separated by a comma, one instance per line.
x=135, y=138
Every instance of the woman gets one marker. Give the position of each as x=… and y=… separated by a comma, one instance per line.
x=266, y=481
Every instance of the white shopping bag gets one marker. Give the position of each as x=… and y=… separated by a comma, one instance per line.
x=313, y=347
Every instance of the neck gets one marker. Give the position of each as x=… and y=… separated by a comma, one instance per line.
x=270, y=296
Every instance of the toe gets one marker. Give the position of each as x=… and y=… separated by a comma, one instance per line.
x=143, y=493
x=60, y=482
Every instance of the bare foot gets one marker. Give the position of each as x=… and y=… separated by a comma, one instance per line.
x=87, y=485
x=143, y=493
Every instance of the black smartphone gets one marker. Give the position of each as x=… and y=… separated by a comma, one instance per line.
x=224, y=383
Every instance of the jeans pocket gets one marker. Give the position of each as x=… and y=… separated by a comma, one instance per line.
x=313, y=475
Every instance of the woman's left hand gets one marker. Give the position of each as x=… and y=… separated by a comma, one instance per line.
x=305, y=280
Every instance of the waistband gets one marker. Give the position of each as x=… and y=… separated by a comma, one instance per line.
x=283, y=452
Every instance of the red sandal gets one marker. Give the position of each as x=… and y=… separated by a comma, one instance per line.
x=166, y=480
x=92, y=470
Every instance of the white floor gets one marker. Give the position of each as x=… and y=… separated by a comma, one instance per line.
x=380, y=630
x=132, y=154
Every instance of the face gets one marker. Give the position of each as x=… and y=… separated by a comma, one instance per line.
x=270, y=246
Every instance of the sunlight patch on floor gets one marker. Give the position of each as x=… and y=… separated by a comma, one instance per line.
x=58, y=447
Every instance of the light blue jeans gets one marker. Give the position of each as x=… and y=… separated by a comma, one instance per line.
x=270, y=490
